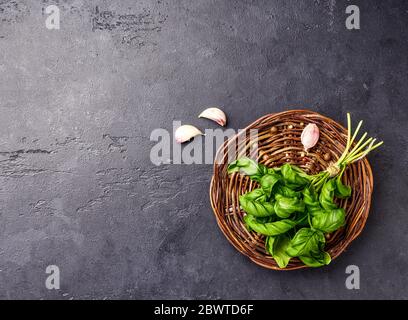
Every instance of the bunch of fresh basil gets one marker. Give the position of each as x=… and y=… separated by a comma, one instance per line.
x=290, y=212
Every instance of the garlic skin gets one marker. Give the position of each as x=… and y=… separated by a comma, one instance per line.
x=214, y=114
x=310, y=136
x=185, y=133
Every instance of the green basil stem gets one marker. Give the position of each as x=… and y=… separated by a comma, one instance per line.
x=342, y=171
x=358, y=152
x=320, y=180
x=357, y=156
x=308, y=218
x=348, y=144
x=358, y=147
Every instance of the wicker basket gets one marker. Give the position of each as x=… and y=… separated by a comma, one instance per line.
x=274, y=149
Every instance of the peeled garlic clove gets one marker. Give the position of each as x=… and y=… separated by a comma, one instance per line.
x=214, y=114
x=186, y=132
x=310, y=136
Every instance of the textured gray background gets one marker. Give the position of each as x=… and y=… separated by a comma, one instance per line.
x=77, y=188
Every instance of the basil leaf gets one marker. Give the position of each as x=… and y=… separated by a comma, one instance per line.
x=255, y=203
x=319, y=259
x=327, y=195
x=268, y=182
x=329, y=221
x=266, y=219
x=311, y=200
x=308, y=245
x=342, y=191
x=246, y=165
x=294, y=177
x=270, y=228
x=256, y=194
x=301, y=172
x=285, y=206
x=305, y=241
x=249, y=167
x=287, y=192
x=276, y=246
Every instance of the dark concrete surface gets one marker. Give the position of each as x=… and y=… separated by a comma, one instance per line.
x=78, y=189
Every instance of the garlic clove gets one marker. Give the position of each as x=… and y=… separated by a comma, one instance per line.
x=186, y=132
x=214, y=114
x=310, y=136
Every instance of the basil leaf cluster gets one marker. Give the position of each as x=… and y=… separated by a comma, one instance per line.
x=289, y=212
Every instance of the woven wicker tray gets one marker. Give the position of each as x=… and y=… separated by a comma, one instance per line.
x=274, y=149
